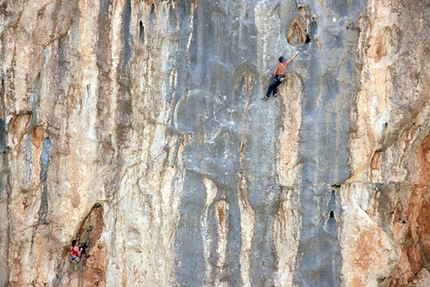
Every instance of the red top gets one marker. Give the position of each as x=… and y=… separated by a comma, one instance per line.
x=74, y=250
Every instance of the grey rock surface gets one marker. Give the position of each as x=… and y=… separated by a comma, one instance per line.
x=142, y=123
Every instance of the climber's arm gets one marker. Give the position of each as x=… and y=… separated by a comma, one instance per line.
x=292, y=58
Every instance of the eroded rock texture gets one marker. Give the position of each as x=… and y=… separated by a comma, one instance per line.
x=138, y=125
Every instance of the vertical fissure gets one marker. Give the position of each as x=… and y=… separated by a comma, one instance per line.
x=4, y=191
x=3, y=126
x=44, y=165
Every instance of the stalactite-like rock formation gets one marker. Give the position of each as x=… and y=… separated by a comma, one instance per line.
x=139, y=125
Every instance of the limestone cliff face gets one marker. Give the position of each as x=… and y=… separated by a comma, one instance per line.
x=139, y=125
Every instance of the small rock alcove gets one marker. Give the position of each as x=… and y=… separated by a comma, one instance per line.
x=297, y=33
x=141, y=32
x=93, y=225
x=93, y=263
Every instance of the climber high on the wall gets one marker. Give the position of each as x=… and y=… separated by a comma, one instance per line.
x=278, y=76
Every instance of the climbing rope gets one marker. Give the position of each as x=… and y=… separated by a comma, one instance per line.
x=82, y=273
x=82, y=256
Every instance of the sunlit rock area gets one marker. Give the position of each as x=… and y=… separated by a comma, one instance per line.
x=137, y=126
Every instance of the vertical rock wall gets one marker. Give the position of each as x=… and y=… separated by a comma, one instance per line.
x=138, y=125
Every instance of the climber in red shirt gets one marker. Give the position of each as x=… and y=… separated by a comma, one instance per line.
x=75, y=252
x=279, y=76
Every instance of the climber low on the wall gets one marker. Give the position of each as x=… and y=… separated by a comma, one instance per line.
x=278, y=76
x=75, y=252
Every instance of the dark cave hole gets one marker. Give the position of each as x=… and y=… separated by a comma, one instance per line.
x=152, y=16
x=141, y=32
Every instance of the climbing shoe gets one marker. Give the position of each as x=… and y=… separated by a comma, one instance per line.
x=275, y=95
x=264, y=98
